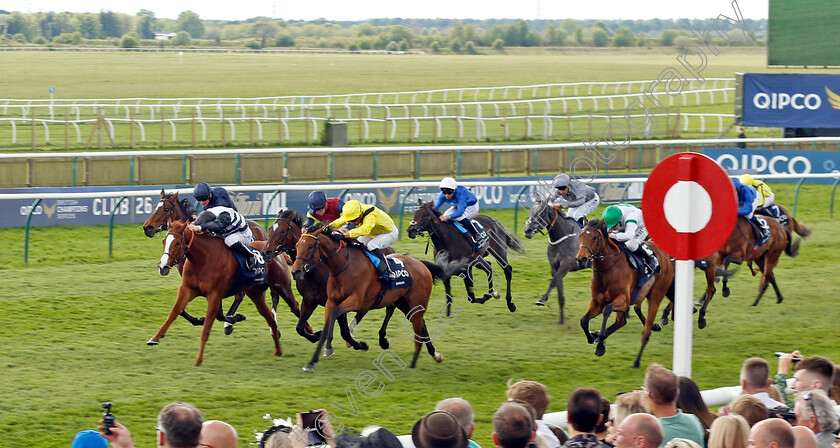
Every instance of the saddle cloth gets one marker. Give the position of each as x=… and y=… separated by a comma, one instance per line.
x=481, y=238
x=775, y=212
x=638, y=264
x=400, y=278
x=245, y=276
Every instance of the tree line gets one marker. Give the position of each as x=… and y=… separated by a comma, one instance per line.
x=435, y=35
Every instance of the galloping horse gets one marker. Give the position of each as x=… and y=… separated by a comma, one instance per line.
x=210, y=270
x=448, y=240
x=354, y=285
x=613, y=284
x=284, y=234
x=171, y=209
x=563, y=245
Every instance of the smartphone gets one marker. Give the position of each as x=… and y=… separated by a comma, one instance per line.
x=780, y=354
x=310, y=421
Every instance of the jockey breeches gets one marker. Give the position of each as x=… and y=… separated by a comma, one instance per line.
x=579, y=212
x=245, y=237
x=380, y=241
x=469, y=212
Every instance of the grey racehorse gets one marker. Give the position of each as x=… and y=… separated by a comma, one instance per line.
x=563, y=245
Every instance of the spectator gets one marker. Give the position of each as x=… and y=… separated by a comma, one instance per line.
x=729, y=431
x=629, y=403
x=536, y=395
x=89, y=439
x=804, y=438
x=749, y=407
x=813, y=372
x=463, y=412
x=755, y=381
x=741, y=144
x=179, y=426
x=583, y=415
x=275, y=437
x=773, y=431
x=604, y=425
x=835, y=385
x=691, y=402
x=814, y=410
x=639, y=430
x=662, y=388
x=370, y=437
x=682, y=443
x=513, y=426
x=218, y=434
x=439, y=429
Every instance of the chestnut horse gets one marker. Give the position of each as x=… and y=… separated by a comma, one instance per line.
x=284, y=234
x=354, y=285
x=171, y=208
x=613, y=284
x=210, y=270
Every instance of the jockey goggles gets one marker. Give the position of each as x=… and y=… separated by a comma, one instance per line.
x=447, y=190
x=202, y=198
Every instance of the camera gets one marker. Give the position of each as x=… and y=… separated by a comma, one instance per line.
x=310, y=422
x=107, y=417
x=783, y=412
x=780, y=354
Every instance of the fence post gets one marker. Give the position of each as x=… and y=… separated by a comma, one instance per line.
x=410, y=126
x=26, y=237
x=251, y=128
x=100, y=122
x=111, y=227
x=67, y=129
x=307, y=126
x=402, y=208
x=279, y=127
x=131, y=125
x=192, y=124
x=223, y=127
x=32, y=131
x=360, y=125
x=434, y=126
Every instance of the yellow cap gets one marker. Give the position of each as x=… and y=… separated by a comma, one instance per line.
x=352, y=210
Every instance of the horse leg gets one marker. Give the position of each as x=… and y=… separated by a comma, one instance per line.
x=593, y=310
x=331, y=313
x=654, y=300
x=551, y=285
x=601, y=334
x=707, y=297
x=725, y=279
x=185, y=295
x=193, y=320
x=508, y=270
x=468, y=285
x=214, y=300
x=383, y=341
x=762, y=286
x=561, y=300
x=265, y=311
x=415, y=315
x=344, y=329
x=306, y=310
x=779, y=297
x=237, y=300
x=430, y=347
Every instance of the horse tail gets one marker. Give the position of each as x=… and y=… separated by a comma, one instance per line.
x=800, y=229
x=726, y=273
x=513, y=242
x=792, y=247
x=445, y=269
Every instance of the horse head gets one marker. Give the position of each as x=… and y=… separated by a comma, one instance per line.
x=309, y=251
x=425, y=219
x=166, y=210
x=539, y=218
x=175, y=246
x=284, y=233
x=593, y=240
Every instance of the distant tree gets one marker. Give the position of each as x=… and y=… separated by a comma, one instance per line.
x=190, y=22
x=404, y=45
x=455, y=46
x=365, y=44
x=599, y=37
x=365, y=29
x=392, y=46
x=182, y=39
x=683, y=42
x=623, y=38
x=284, y=40
x=469, y=47
x=19, y=38
x=579, y=36
x=146, y=22
x=112, y=24
x=569, y=26
x=40, y=40
x=602, y=25
x=63, y=22
x=641, y=41
x=90, y=26
x=399, y=33
x=499, y=44
x=667, y=37
x=265, y=30
x=253, y=44
x=435, y=46
x=130, y=40
x=74, y=38
x=23, y=24
x=353, y=47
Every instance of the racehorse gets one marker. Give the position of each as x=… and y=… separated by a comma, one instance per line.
x=170, y=209
x=793, y=226
x=210, y=270
x=613, y=284
x=312, y=288
x=354, y=285
x=448, y=240
x=563, y=245
x=740, y=247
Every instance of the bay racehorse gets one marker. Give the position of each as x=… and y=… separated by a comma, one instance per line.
x=613, y=284
x=312, y=288
x=172, y=208
x=563, y=245
x=354, y=285
x=210, y=270
x=449, y=242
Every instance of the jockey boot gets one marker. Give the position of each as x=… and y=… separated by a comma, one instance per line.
x=581, y=222
x=383, y=269
x=650, y=260
x=252, y=257
x=762, y=230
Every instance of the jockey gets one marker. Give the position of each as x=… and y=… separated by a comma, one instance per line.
x=463, y=204
x=767, y=196
x=580, y=199
x=374, y=228
x=210, y=197
x=628, y=226
x=748, y=201
x=228, y=223
x=322, y=209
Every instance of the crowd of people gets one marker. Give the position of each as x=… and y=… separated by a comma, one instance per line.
x=668, y=412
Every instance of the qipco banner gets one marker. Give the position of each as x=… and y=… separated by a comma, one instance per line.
x=791, y=101
x=773, y=161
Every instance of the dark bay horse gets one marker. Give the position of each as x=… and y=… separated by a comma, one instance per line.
x=613, y=284
x=312, y=288
x=171, y=209
x=448, y=241
x=353, y=285
x=563, y=245
x=210, y=270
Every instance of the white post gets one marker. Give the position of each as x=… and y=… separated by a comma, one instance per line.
x=684, y=288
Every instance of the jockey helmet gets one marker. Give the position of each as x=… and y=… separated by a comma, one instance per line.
x=352, y=210
x=561, y=180
x=202, y=191
x=746, y=179
x=448, y=183
x=317, y=200
x=611, y=216
x=736, y=183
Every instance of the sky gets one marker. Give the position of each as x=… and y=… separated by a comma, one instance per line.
x=424, y=9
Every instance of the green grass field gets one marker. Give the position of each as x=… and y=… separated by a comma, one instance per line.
x=75, y=322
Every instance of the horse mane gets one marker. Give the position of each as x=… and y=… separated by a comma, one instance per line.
x=429, y=205
x=315, y=227
x=292, y=216
x=599, y=225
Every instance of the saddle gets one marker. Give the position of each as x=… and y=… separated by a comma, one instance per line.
x=775, y=212
x=246, y=276
x=645, y=270
x=481, y=238
x=761, y=231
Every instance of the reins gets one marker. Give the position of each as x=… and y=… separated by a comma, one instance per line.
x=554, y=221
x=595, y=256
x=310, y=264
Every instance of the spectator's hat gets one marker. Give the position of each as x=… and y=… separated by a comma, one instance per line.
x=439, y=429
x=89, y=439
x=371, y=437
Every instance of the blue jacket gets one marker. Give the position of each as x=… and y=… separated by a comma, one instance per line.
x=221, y=197
x=746, y=197
x=460, y=200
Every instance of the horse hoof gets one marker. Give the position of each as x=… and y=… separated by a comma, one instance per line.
x=486, y=297
x=779, y=300
x=600, y=350
x=384, y=344
x=438, y=357
x=497, y=295
x=656, y=327
x=241, y=317
x=309, y=368
x=701, y=323
x=540, y=302
x=153, y=341
x=512, y=307
x=327, y=353
x=363, y=346
x=725, y=292
x=229, y=328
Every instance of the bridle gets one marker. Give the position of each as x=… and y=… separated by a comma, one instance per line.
x=548, y=227
x=280, y=247
x=427, y=223
x=167, y=200
x=186, y=251
x=595, y=256
x=311, y=265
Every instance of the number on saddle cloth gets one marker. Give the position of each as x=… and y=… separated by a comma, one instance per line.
x=481, y=238
x=776, y=213
x=245, y=276
x=400, y=278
